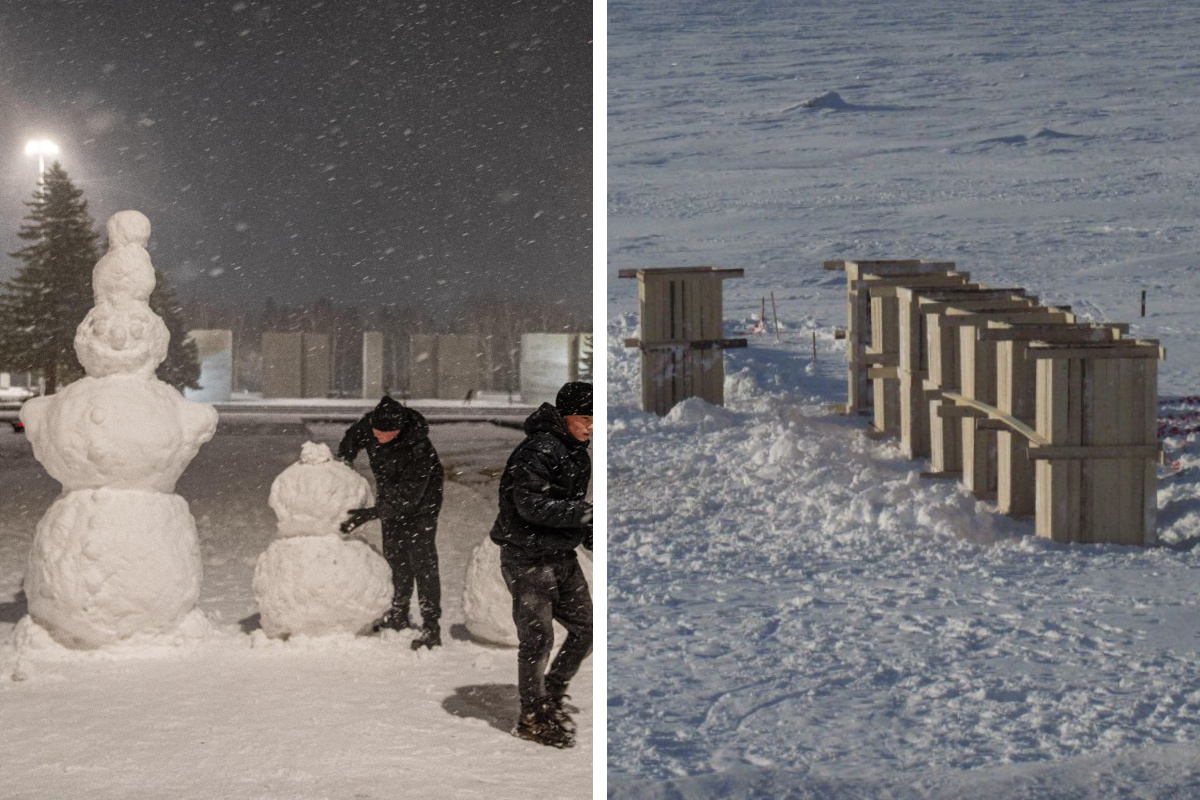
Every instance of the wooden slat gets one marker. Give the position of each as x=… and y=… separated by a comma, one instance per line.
x=980, y=317
x=719, y=272
x=1008, y=332
x=1122, y=348
x=1093, y=451
x=982, y=304
x=918, y=280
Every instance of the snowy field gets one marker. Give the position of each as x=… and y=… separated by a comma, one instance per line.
x=793, y=611
x=239, y=716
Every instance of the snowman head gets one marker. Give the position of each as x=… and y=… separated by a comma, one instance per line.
x=121, y=339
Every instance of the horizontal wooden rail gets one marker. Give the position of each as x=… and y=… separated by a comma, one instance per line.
x=720, y=272
x=1105, y=451
x=687, y=344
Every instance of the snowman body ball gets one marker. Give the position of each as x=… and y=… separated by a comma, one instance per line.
x=310, y=581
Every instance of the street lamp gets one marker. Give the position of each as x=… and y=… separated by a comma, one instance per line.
x=41, y=148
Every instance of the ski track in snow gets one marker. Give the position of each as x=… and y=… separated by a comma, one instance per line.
x=792, y=610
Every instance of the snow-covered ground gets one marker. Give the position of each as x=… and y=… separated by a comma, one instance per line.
x=793, y=611
x=240, y=716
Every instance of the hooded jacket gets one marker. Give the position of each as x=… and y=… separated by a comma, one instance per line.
x=408, y=473
x=542, y=493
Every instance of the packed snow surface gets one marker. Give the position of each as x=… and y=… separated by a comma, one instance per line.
x=216, y=709
x=794, y=612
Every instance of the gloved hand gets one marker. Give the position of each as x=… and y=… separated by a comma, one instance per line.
x=358, y=516
x=586, y=519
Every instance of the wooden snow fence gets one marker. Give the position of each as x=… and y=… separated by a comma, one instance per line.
x=682, y=334
x=1025, y=405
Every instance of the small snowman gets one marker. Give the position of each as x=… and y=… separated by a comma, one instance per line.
x=116, y=554
x=487, y=603
x=310, y=581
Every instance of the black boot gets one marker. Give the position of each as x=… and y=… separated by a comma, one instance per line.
x=560, y=711
x=395, y=619
x=429, y=637
x=538, y=724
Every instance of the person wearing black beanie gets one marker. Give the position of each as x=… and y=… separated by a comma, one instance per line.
x=408, y=485
x=543, y=517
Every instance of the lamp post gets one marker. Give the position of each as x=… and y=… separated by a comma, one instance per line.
x=41, y=148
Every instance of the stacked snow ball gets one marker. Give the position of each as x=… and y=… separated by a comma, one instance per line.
x=319, y=585
x=312, y=496
x=310, y=581
x=122, y=432
x=487, y=603
x=107, y=564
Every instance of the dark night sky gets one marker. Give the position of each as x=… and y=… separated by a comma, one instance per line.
x=386, y=151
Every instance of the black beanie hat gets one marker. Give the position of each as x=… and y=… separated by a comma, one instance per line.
x=387, y=416
x=574, y=399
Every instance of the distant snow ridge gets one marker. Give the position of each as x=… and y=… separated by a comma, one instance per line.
x=831, y=101
x=1021, y=140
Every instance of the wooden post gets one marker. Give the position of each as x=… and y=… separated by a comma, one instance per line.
x=775, y=316
x=682, y=334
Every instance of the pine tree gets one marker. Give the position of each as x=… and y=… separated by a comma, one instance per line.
x=181, y=368
x=52, y=293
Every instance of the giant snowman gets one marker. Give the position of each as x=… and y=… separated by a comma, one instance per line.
x=310, y=581
x=116, y=554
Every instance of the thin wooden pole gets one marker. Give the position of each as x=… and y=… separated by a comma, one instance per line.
x=1143, y=302
x=776, y=317
x=814, y=340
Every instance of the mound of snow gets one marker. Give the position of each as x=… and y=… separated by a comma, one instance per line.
x=828, y=100
x=32, y=644
x=108, y=563
x=487, y=603
x=320, y=585
x=702, y=414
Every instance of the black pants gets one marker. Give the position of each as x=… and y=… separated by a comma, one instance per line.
x=542, y=593
x=410, y=550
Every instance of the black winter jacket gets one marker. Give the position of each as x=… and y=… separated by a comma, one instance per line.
x=408, y=473
x=542, y=493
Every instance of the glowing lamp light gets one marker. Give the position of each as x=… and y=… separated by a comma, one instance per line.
x=41, y=148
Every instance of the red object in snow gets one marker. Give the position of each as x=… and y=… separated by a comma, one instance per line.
x=18, y=427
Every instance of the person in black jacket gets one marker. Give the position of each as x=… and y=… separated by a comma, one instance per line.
x=408, y=488
x=543, y=518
